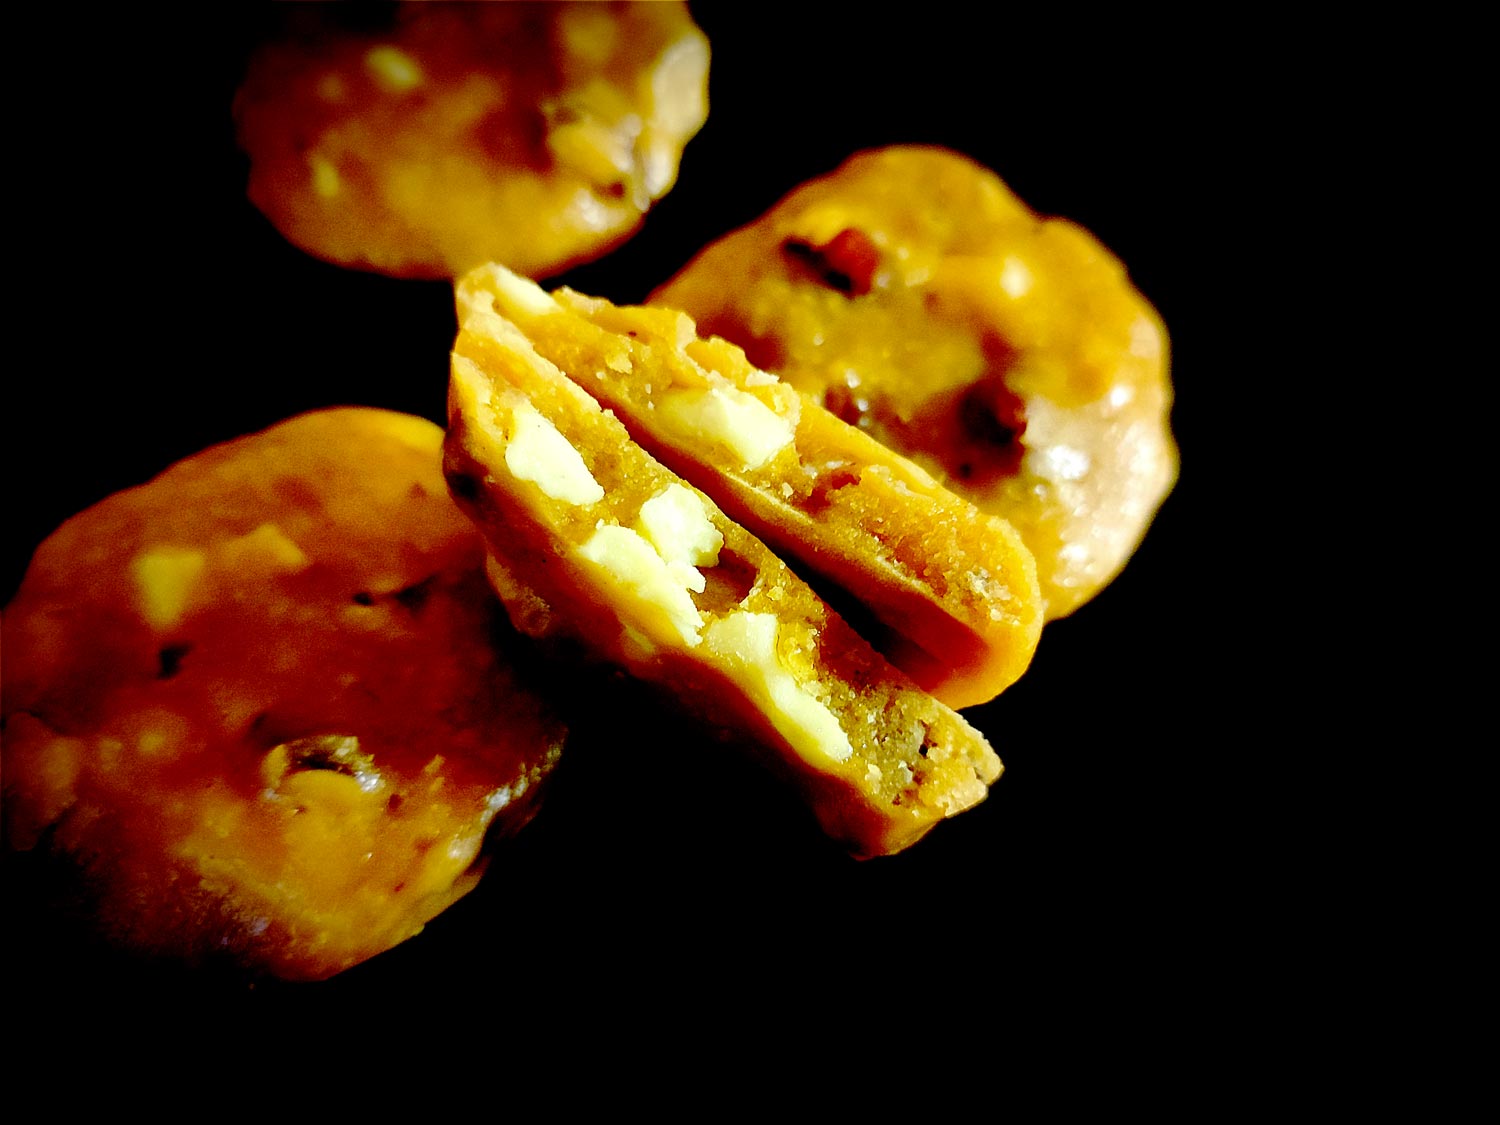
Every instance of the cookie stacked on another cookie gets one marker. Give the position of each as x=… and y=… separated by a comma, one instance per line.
x=950, y=593
x=595, y=540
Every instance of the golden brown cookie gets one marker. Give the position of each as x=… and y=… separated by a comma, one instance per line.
x=536, y=134
x=595, y=541
x=259, y=701
x=913, y=294
x=953, y=590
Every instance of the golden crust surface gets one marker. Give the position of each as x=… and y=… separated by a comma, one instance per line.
x=258, y=700
x=952, y=590
x=914, y=295
x=593, y=539
x=537, y=134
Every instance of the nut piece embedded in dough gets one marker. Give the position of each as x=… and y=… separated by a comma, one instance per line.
x=746, y=427
x=634, y=565
x=679, y=527
x=747, y=643
x=538, y=453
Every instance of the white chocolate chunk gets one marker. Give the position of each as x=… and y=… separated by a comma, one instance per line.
x=1015, y=278
x=678, y=101
x=393, y=69
x=675, y=522
x=267, y=548
x=165, y=578
x=592, y=150
x=325, y=177
x=538, y=453
x=522, y=291
x=634, y=564
x=748, y=642
x=723, y=414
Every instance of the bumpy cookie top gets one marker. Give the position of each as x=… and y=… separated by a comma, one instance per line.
x=259, y=699
x=533, y=134
x=918, y=298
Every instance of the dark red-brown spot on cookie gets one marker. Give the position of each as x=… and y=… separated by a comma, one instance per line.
x=336, y=752
x=847, y=405
x=463, y=485
x=169, y=660
x=846, y=262
x=974, y=432
x=830, y=482
x=993, y=411
x=514, y=135
x=994, y=416
x=414, y=597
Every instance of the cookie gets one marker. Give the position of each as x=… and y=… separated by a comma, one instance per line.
x=952, y=592
x=915, y=296
x=262, y=704
x=536, y=134
x=595, y=543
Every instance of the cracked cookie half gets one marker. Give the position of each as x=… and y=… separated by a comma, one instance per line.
x=595, y=541
x=952, y=591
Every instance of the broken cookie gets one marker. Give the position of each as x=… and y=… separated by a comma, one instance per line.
x=595, y=541
x=953, y=591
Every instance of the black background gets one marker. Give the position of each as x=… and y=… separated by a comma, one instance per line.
x=166, y=314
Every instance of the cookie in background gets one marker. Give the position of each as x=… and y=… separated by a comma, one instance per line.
x=915, y=296
x=263, y=705
x=420, y=139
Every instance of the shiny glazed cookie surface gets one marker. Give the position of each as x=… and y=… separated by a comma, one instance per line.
x=913, y=294
x=259, y=700
x=536, y=134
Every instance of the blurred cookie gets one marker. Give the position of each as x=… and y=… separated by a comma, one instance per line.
x=913, y=294
x=535, y=134
x=259, y=700
x=595, y=543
